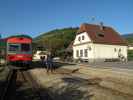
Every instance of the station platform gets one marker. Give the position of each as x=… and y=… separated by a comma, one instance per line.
x=80, y=82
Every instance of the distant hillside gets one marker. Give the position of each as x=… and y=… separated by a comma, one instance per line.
x=68, y=34
x=128, y=37
x=58, y=33
x=56, y=40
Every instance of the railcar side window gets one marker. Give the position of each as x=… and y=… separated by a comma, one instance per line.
x=25, y=47
x=13, y=47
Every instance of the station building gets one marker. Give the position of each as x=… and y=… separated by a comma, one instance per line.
x=99, y=43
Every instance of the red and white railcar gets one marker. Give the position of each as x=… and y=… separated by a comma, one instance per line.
x=18, y=49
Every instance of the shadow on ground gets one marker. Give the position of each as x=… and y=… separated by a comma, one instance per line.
x=1, y=87
x=56, y=65
x=27, y=93
x=73, y=88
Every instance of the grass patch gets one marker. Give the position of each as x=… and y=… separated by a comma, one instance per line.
x=130, y=55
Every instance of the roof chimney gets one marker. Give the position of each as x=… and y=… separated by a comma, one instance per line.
x=101, y=26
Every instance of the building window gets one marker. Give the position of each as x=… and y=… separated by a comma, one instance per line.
x=81, y=53
x=115, y=49
x=86, y=52
x=120, y=50
x=79, y=38
x=83, y=37
x=77, y=53
x=89, y=48
x=14, y=47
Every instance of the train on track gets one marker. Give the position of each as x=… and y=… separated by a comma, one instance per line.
x=16, y=50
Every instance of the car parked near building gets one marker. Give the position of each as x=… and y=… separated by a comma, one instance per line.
x=37, y=56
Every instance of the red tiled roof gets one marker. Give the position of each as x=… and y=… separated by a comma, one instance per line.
x=107, y=35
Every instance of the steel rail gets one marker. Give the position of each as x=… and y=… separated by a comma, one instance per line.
x=5, y=95
x=35, y=86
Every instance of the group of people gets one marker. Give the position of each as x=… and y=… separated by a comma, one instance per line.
x=48, y=62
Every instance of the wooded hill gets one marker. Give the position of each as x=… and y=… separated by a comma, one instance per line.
x=57, y=40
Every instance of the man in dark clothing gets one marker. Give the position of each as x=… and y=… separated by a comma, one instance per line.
x=43, y=60
x=49, y=63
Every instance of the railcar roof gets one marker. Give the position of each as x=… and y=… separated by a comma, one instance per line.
x=26, y=36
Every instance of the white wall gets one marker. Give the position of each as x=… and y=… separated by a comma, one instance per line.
x=83, y=47
x=98, y=51
x=130, y=48
x=86, y=39
x=102, y=51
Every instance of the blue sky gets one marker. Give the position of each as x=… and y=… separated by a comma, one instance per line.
x=34, y=17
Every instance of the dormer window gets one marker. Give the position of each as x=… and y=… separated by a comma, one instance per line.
x=83, y=37
x=100, y=34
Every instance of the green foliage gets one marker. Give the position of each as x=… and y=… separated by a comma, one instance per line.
x=57, y=40
x=130, y=54
x=130, y=39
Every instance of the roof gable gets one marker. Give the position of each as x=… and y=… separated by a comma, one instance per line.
x=82, y=38
x=105, y=36
x=19, y=36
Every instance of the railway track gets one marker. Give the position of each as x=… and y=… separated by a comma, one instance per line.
x=8, y=87
x=20, y=85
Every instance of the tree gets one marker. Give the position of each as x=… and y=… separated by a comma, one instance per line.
x=57, y=40
x=53, y=44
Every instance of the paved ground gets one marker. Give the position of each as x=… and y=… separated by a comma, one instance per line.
x=72, y=85
x=122, y=65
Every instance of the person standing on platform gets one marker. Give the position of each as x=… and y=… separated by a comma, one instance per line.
x=49, y=63
x=43, y=60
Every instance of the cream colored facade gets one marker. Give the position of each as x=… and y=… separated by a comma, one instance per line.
x=130, y=48
x=84, y=48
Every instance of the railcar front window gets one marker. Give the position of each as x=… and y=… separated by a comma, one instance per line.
x=13, y=47
x=25, y=47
